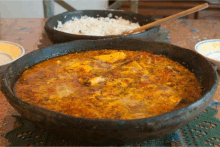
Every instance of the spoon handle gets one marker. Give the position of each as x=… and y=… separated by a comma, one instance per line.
x=172, y=17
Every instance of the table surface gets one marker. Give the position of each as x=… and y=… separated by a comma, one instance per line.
x=30, y=34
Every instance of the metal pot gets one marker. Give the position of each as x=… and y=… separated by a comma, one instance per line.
x=112, y=131
x=60, y=37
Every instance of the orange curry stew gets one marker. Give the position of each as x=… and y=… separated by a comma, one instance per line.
x=113, y=84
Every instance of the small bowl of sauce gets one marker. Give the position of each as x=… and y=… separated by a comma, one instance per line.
x=210, y=49
x=9, y=52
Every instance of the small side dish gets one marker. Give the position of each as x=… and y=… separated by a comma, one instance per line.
x=9, y=52
x=210, y=49
x=109, y=84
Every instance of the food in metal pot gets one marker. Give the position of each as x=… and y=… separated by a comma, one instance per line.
x=109, y=84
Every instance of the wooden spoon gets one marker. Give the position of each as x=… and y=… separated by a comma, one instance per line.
x=172, y=17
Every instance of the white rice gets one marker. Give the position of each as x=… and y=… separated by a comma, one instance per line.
x=101, y=26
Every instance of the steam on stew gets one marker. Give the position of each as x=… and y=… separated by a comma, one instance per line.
x=113, y=84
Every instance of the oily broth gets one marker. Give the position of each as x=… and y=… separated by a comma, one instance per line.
x=114, y=84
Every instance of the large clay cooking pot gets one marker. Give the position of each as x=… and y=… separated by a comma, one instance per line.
x=113, y=131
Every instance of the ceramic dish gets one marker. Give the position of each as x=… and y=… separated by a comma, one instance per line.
x=9, y=52
x=210, y=49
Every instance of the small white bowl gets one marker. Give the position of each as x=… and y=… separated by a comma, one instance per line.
x=210, y=49
x=9, y=52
